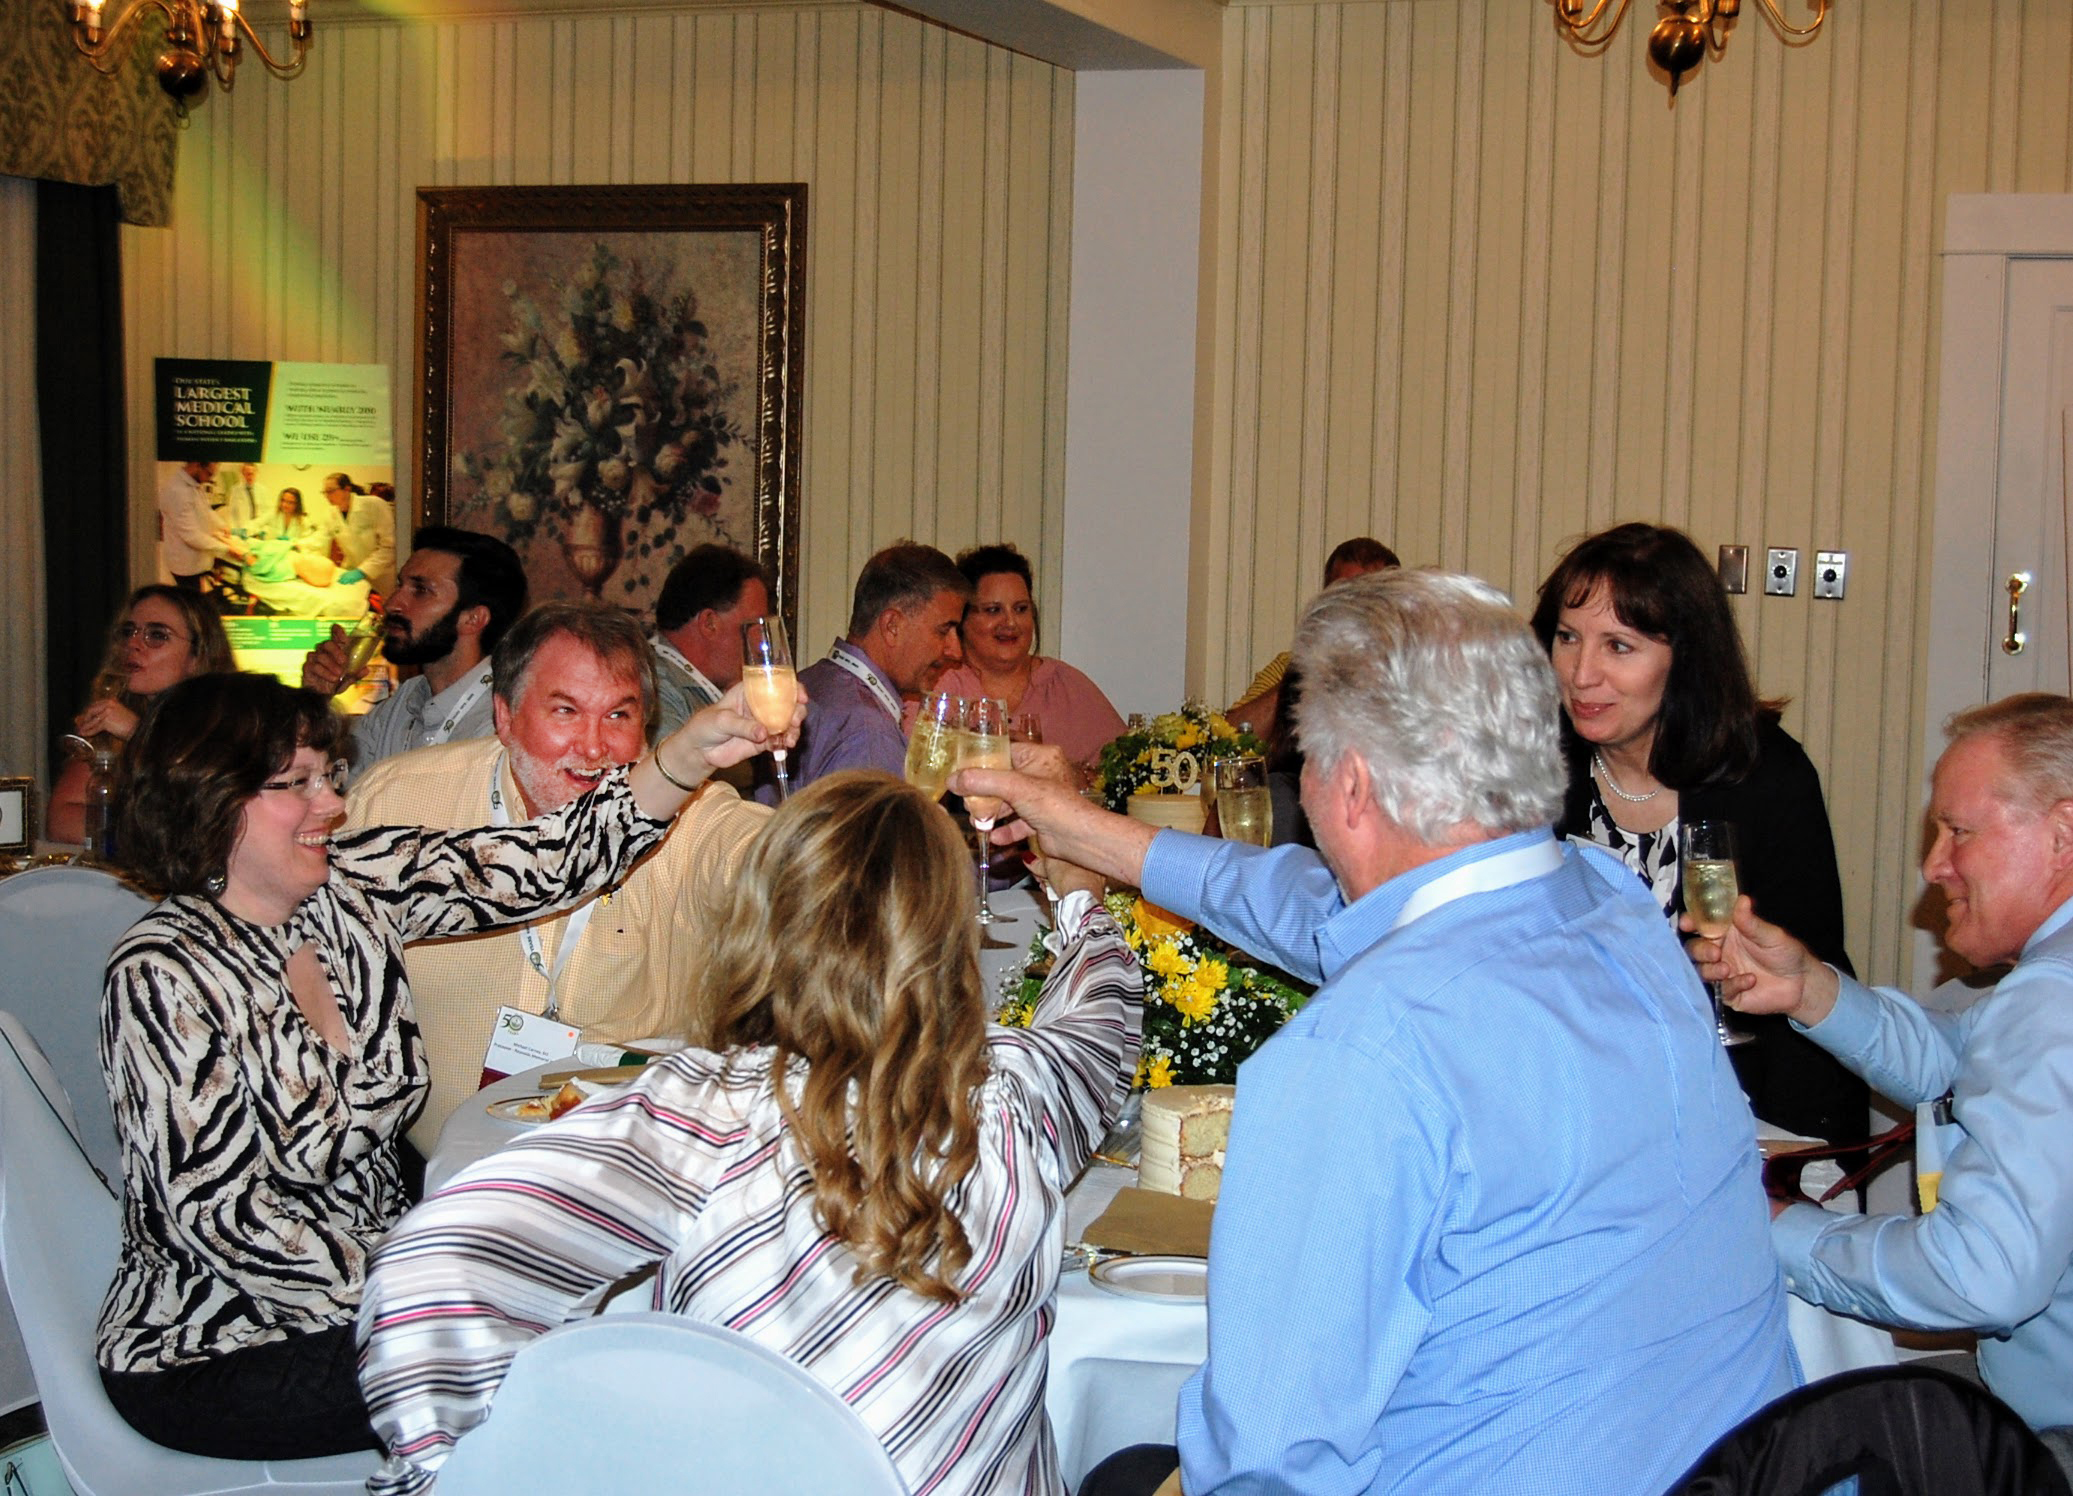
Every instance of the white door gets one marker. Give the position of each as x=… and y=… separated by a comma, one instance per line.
x=1999, y=620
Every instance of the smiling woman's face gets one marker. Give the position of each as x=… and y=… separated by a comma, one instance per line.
x=1000, y=625
x=1612, y=676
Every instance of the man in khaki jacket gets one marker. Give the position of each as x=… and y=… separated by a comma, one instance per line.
x=574, y=689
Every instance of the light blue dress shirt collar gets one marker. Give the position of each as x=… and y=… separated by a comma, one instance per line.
x=1359, y=925
x=2054, y=922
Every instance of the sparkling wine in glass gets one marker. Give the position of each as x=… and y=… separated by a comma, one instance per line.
x=1710, y=889
x=932, y=747
x=769, y=684
x=1244, y=804
x=984, y=745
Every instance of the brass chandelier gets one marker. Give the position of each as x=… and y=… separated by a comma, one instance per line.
x=202, y=41
x=1687, y=32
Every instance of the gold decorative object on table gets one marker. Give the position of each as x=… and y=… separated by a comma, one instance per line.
x=1681, y=40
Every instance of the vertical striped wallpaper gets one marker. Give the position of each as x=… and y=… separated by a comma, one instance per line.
x=939, y=175
x=1479, y=295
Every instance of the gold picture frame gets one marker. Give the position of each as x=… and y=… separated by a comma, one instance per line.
x=612, y=375
x=17, y=814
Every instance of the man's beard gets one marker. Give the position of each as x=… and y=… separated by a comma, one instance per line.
x=435, y=643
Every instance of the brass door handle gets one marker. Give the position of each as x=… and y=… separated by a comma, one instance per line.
x=2018, y=584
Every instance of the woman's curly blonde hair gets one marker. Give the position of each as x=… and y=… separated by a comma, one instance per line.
x=848, y=943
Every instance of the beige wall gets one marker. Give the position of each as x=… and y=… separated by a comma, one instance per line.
x=938, y=217
x=1478, y=295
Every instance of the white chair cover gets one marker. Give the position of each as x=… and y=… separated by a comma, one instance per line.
x=59, y=1235
x=658, y=1403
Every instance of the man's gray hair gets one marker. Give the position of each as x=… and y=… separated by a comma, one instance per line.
x=1444, y=693
x=906, y=576
x=2035, y=730
x=611, y=634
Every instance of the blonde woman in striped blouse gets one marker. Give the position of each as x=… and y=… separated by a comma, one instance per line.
x=866, y=1177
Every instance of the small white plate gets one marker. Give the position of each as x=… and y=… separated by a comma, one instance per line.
x=1164, y=1280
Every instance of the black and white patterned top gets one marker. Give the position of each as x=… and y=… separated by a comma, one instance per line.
x=259, y=1164
x=1651, y=854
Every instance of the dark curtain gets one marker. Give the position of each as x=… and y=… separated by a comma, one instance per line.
x=85, y=440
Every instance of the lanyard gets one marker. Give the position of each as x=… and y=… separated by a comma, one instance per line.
x=528, y=936
x=700, y=682
x=461, y=708
x=1501, y=871
x=861, y=669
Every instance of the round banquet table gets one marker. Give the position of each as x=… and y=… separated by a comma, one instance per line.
x=1117, y=1363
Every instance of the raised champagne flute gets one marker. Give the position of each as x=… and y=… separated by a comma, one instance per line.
x=932, y=746
x=1710, y=889
x=1244, y=804
x=984, y=745
x=769, y=684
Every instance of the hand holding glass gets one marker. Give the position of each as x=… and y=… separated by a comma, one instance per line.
x=984, y=745
x=1710, y=890
x=769, y=685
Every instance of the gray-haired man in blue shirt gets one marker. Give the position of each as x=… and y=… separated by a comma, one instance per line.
x=1491, y=1216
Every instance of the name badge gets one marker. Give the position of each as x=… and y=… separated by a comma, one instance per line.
x=519, y=1040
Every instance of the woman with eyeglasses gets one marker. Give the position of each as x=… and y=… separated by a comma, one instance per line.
x=165, y=634
x=261, y=1052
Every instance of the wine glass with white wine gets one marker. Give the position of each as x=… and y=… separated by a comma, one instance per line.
x=932, y=746
x=984, y=745
x=769, y=684
x=1244, y=804
x=1710, y=889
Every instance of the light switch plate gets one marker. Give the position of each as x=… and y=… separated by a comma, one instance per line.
x=1830, y=568
x=1734, y=568
x=1781, y=572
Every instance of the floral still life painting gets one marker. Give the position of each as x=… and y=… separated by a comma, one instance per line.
x=614, y=397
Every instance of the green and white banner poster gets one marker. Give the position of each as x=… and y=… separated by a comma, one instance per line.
x=237, y=410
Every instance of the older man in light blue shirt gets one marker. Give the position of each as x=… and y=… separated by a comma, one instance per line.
x=1996, y=1254
x=1490, y=1216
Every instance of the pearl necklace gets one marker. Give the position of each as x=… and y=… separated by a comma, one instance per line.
x=1614, y=785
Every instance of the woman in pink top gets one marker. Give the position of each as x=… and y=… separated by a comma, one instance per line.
x=999, y=637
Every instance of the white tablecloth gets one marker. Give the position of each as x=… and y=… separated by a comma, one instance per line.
x=1117, y=1363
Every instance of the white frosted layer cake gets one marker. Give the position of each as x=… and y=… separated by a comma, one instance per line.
x=1185, y=1129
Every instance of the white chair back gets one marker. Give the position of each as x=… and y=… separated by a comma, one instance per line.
x=57, y=925
x=59, y=1235
x=659, y=1404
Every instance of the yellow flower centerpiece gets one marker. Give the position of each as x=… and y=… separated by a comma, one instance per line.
x=1207, y=1007
x=1158, y=772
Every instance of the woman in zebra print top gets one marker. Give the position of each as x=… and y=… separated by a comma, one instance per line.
x=261, y=1053
x=865, y=1178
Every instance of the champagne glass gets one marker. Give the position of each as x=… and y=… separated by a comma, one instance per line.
x=984, y=745
x=932, y=748
x=1710, y=889
x=1025, y=727
x=1244, y=805
x=769, y=684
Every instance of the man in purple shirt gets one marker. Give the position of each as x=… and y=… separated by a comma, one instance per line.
x=902, y=635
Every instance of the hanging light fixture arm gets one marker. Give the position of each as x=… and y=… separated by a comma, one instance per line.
x=1791, y=34
x=104, y=48
x=1583, y=30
